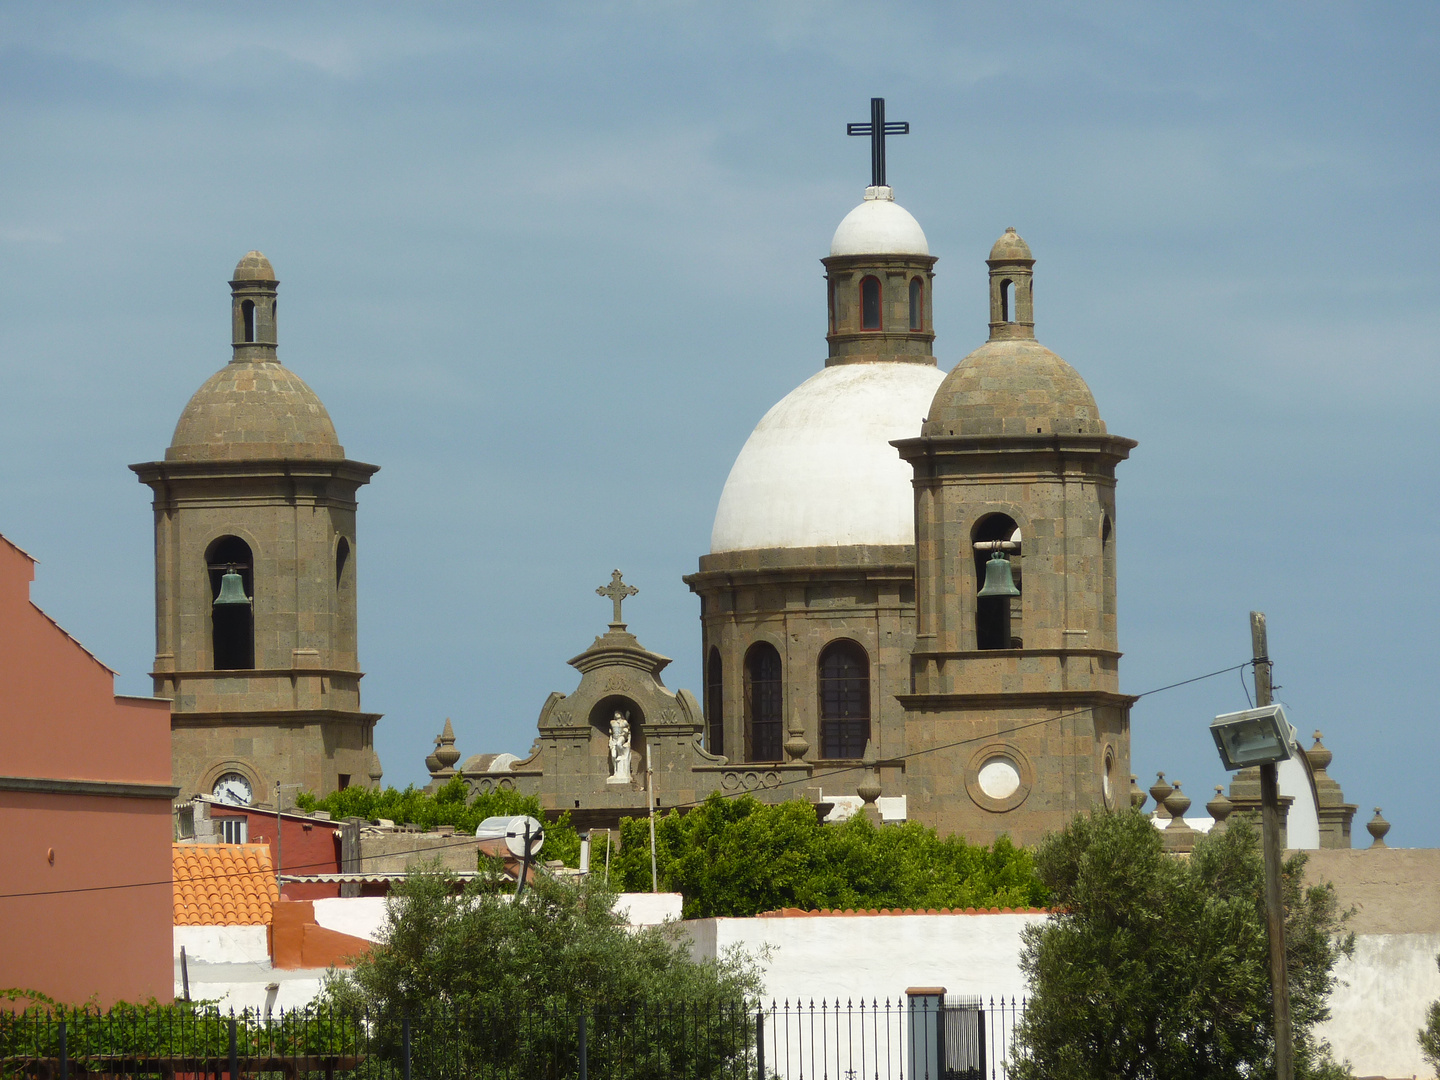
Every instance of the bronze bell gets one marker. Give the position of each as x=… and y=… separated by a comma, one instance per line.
x=998, y=581
x=232, y=590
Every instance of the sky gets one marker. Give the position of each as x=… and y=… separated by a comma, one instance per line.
x=548, y=264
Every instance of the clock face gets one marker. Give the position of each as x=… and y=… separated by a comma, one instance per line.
x=234, y=789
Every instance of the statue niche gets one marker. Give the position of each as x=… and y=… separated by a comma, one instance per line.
x=619, y=719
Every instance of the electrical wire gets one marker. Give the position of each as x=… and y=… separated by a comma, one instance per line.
x=170, y=881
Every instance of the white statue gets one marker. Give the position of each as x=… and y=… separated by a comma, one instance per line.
x=619, y=748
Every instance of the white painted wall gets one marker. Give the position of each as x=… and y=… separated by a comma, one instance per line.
x=1380, y=1004
x=222, y=944
x=358, y=916
x=873, y=956
x=649, y=909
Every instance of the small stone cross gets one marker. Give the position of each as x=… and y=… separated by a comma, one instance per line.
x=617, y=591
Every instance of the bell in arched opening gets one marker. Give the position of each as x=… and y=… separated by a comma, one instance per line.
x=232, y=590
x=998, y=579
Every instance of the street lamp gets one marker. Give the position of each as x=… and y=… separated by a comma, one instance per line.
x=1253, y=737
x=1263, y=736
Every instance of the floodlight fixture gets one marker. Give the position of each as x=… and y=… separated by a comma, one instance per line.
x=1260, y=736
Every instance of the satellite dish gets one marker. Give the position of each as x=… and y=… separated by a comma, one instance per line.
x=512, y=831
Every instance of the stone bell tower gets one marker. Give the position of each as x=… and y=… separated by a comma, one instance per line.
x=1014, y=719
x=255, y=584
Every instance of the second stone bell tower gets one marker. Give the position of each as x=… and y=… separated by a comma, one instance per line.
x=1014, y=719
x=255, y=576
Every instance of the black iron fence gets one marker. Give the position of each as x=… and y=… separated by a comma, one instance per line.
x=917, y=1038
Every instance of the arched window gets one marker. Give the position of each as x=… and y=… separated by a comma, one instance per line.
x=232, y=624
x=715, y=701
x=764, y=703
x=342, y=559
x=247, y=312
x=997, y=618
x=1107, y=569
x=1005, y=300
x=917, y=304
x=830, y=303
x=870, y=304
x=844, y=700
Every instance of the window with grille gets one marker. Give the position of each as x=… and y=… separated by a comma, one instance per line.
x=764, y=702
x=715, y=701
x=844, y=700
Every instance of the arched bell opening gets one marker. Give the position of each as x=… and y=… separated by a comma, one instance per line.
x=231, y=570
x=870, y=306
x=917, y=304
x=995, y=542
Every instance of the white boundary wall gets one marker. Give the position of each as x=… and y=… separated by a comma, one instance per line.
x=807, y=956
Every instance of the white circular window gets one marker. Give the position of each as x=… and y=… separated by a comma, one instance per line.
x=999, y=778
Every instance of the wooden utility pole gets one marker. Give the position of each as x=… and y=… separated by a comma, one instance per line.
x=1270, y=833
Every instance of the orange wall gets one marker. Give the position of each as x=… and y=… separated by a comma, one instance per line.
x=112, y=945
x=309, y=848
x=83, y=938
x=59, y=716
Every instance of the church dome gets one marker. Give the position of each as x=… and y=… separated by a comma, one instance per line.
x=1010, y=247
x=819, y=470
x=879, y=226
x=249, y=411
x=1013, y=386
x=254, y=267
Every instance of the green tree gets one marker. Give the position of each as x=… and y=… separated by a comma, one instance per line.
x=499, y=981
x=1430, y=1034
x=1157, y=966
x=740, y=856
x=451, y=805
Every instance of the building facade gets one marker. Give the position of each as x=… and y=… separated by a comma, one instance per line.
x=255, y=576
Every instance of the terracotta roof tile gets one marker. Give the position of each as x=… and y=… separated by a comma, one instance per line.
x=223, y=885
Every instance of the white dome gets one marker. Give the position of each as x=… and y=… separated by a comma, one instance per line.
x=879, y=226
x=819, y=470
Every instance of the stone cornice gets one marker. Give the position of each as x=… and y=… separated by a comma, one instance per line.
x=42, y=785
x=1040, y=699
x=182, y=472
x=870, y=562
x=258, y=673
x=212, y=717
x=1112, y=449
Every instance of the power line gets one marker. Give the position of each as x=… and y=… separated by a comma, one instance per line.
x=170, y=881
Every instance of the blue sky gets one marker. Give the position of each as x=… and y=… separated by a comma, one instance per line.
x=548, y=264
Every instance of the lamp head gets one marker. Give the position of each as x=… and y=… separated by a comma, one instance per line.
x=1260, y=736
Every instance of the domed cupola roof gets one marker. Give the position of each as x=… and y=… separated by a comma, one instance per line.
x=1013, y=385
x=879, y=226
x=254, y=408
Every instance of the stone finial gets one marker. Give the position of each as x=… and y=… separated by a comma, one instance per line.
x=1137, y=797
x=445, y=753
x=1334, y=812
x=375, y=771
x=796, y=745
x=431, y=761
x=869, y=789
x=1160, y=791
x=1177, y=802
x=1318, y=756
x=1378, y=827
x=1219, y=807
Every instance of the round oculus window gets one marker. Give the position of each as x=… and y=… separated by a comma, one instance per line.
x=999, y=778
x=233, y=788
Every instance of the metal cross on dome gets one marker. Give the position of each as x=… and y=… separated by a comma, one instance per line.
x=617, y=591
x=877, y=129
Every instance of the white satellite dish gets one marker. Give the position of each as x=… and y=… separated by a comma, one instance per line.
x=513, y=831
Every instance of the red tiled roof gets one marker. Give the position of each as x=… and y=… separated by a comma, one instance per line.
x=223, y=884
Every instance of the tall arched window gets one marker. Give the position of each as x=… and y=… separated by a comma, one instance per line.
x=232, y=623
x=1005, y=300
x=997, y=618
x=844, y=700
x=870, y=304
x=342, y=558
x=764, y=703
x=715, y=701
x=247, y=312
x=830, y=303
x=917, y=304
